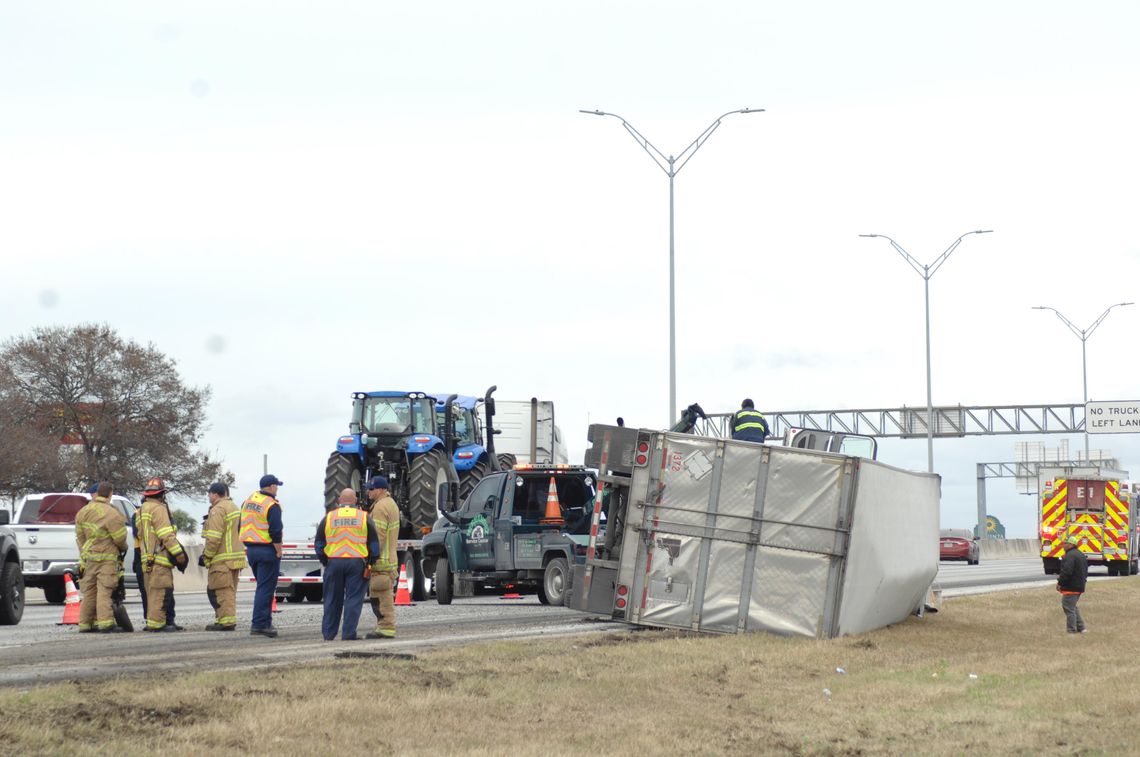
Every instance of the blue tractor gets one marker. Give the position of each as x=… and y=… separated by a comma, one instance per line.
x=472, y=458
x=398, y=435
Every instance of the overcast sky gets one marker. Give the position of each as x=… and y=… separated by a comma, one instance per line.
x=300, y=200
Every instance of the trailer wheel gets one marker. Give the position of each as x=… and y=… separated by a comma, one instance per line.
x=342, y=472
x=55, y=592
x=468, y=479
x=11, y=594
x=443, y=581
x=554, y=582
x=426, y=476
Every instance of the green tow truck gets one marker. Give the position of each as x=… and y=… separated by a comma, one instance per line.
x=522, y=528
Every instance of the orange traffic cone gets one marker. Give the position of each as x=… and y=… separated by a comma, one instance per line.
x=403, y=596
x=274, y=607
x=510, y=593
x=553, y=507
x=71, y=603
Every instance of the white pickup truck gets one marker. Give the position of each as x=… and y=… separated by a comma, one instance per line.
x=44, y=527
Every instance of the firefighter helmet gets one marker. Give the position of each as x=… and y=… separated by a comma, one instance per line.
x=154, y=486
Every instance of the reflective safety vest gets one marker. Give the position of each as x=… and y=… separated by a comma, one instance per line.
x=346, y=533
x=255, y=518
x=749, y=425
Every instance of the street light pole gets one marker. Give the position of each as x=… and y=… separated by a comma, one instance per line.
x=1083, y=335
x=671, y=166
x=926, y=271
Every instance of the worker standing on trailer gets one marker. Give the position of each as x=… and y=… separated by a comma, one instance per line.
x=161, y=554
x=346, y=545
x=222, y=556
x=385, y=570
x=748, y=424
x=101, y=534
x=261, y=532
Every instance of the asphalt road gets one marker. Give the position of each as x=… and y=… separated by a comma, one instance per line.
x=39, y=651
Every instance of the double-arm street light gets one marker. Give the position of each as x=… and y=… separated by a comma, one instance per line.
x=926, y=271
x=672, y=165
x=1083, y=335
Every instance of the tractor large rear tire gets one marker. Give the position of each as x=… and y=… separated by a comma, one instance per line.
x=342, y=472
x=468, y=479
x=506, y=461
x=426, y=475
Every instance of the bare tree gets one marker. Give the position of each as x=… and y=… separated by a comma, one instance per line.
x=82, y=404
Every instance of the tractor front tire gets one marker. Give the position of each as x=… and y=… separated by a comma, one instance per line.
x=469, y=479
x=342, y=472
x=428, y=472
x=506, y=461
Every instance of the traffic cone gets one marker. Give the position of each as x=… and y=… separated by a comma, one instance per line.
x=71, y=603
x=553, y=507
x=274, y=607
x=510, y=592
x=403, y=596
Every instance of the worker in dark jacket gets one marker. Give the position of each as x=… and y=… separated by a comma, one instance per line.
x=748, y=424
x=1071, y=584
x=347, y=544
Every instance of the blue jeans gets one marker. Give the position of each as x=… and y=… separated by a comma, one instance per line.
x=266, y=566
x=344, y=590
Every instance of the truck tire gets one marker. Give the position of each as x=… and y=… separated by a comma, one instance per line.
x=55, y=591
x=555, y=581
x=506, y=461
x=1133, y=567
x=468, y=479
x=417, y=581
x=342, y=472
x=427, y=473
x=11, y=594
x=443, y=581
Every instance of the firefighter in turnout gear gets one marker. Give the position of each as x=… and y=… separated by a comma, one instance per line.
x=385, y=570
x=223, y=556
x=346, y=545
x=161, y=553
x=261, y=531
x=101, y=533
x=748, y=424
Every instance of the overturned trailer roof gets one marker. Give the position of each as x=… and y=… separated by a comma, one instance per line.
x=725, y=536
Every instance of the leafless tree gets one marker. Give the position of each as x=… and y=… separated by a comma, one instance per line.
x=81, y=404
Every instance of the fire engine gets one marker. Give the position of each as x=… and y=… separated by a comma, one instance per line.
x=1096, y=506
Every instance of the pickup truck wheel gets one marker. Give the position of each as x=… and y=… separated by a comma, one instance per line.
x=426, y=475
x=11, y=594
x=443, y=581
x=417, y=581
x=554, y=582
x=55, y=592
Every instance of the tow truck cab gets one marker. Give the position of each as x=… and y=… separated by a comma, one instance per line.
x=523, y=528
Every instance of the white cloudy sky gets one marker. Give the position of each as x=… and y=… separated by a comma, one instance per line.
x=357, y=195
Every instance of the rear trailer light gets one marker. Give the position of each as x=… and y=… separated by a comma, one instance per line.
x=642, y=453
x=620, y=604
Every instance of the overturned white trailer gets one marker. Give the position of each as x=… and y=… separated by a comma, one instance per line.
x=725, y=536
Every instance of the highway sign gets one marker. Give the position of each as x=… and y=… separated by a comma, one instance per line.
x=1122, y=417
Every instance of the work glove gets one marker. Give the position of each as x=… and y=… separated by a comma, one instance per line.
x=202, y=562
x=181, y=561
x=82, y=570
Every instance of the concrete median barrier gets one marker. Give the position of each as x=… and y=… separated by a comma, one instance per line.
x=1004, y=549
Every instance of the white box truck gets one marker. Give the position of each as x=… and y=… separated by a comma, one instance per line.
x=727, y=536
x=526, y=429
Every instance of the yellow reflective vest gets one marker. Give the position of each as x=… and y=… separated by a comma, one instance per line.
x=255, y=518
x=346, y=533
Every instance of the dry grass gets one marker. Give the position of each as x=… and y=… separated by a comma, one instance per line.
x=906, y=690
